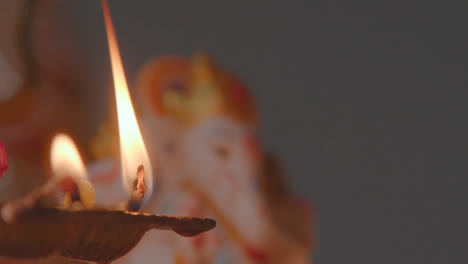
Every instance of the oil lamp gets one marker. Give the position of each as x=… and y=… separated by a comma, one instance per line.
x=39, y=224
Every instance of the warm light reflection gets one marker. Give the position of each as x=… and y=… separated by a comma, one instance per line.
x=132, y=149
x=65, y=158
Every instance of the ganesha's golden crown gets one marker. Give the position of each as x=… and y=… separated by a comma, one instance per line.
x=191, y=90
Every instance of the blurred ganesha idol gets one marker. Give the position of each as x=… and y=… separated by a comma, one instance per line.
x=200, y=124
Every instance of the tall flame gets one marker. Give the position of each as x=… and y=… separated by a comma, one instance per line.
x=132, y=149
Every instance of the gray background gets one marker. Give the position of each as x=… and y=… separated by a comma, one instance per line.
x=365, y=101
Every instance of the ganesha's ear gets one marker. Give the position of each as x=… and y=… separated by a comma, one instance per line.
x=161, y=84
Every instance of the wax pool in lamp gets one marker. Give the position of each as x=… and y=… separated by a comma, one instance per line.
x=69, y=170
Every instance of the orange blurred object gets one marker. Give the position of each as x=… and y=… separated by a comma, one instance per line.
x=194, y=89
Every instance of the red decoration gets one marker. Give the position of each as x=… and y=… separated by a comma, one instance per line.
x=256, y=255
x=3, y=159
x=240, y=94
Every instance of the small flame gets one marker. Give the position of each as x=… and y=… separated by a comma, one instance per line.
x=65, y=158
x=66, y=165
x=132, y=149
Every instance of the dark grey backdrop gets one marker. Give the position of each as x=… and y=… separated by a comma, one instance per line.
x=365, y=101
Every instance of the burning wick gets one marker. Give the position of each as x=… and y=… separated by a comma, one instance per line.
x=72, y=199
x=139, y=193
x=140, y=187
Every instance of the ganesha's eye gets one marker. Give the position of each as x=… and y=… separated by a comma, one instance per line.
x=169, y=147
x=221, y=151
x=176, y=84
